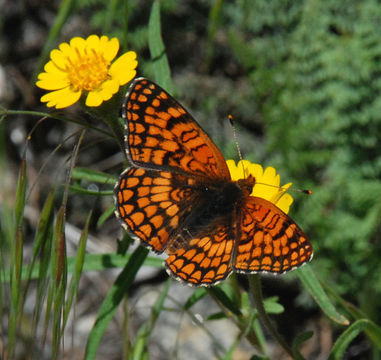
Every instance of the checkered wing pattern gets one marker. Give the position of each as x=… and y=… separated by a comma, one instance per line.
x=205, y=259
x=268, y=239
x=161, y=134
x=154, y=205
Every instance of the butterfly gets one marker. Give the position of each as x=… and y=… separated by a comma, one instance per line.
x=178, y=197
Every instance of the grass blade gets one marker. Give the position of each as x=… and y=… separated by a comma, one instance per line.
x=59, y=296
x=59, y=279
x=40, y=238
x=140, y=348
x=113, y=299
x=93, y=262
x=14, y=314
x=157, y=49
x=80, y=173
x=20, y=195
x=299, y=340
x=74, y=282
x=312, y=284
x=347, y=336
x=195, y=297
x=219, y=295
x=106, y=214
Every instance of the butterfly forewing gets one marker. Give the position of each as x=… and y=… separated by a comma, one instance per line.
x=161, y=134
x=155, y=205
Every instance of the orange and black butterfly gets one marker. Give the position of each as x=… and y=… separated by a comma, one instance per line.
x=178, y=197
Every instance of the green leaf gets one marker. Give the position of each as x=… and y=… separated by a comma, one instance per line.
x=374, y=333
x=113, y=299
x=156, y=46
x=298, y=341
x=309, y=280
x=347, y=336
x=106, y=214
x=272, y=306
x=80, y=173
x=195, y=297
x=216, y=316
x=218, y=294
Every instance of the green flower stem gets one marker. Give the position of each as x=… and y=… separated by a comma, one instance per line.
x=257, y=299
x=117, y=130
x=108, y=112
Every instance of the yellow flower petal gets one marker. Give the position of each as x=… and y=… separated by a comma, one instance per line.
x=110, y=47
x=123, y=68
x=279, y=194
x=267, y=182
x=232, y=169
x=65, y=49
x=61, y=98
x=59, y=59
x=50, y=81
x=78, y=44
x=255, y=169
x=271, y=175
x=50, y=67
x=109, y=88
x=93, y=42
x=285, y=202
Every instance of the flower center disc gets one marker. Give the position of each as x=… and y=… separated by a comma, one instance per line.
x=88, y=70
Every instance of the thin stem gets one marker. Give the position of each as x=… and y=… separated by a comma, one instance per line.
x=257, y=299
x=237, y=320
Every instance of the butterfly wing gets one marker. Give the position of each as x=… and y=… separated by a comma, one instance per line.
x=154, y=205
x=205, y=259
x=268, y=239
x=162, y=135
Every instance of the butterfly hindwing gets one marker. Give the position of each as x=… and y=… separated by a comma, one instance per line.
x=203, y=260
x=268, y=239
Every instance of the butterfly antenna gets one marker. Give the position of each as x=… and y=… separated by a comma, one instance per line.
x=231, y=120
x=304, y=191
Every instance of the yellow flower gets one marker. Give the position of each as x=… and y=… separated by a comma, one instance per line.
x=84, y=65
x=273, y=193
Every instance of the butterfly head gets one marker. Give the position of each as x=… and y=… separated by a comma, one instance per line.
x=247, y=184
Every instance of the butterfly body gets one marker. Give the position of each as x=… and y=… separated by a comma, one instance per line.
x=178, y=197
